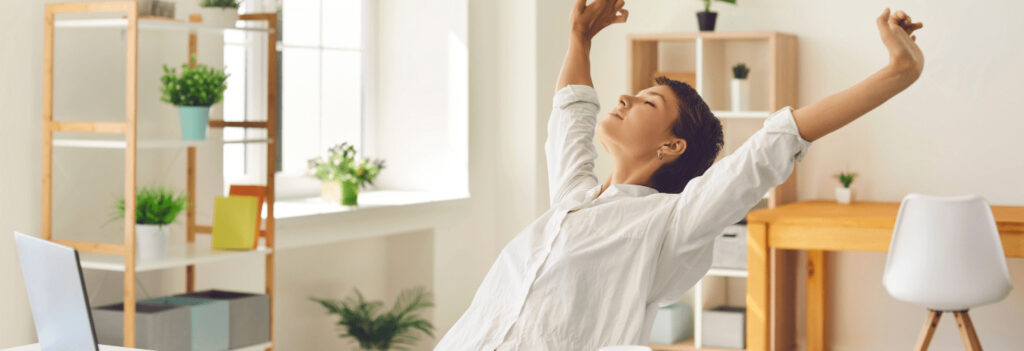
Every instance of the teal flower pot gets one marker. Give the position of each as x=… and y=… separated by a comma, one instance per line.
x=349, y=193
x=194, y=121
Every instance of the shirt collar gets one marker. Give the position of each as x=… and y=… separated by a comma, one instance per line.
x=617, y=190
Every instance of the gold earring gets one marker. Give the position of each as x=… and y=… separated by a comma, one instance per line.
x=659, y=154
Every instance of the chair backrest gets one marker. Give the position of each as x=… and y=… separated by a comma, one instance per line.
x=946, y=254
x=56, y=294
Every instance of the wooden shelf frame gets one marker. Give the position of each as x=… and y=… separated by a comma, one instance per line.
x=130, y=20
x=645, y=60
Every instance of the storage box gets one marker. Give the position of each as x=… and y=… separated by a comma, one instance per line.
x=208, y=320
x=672, y=324
x=731, y=248
x=164, y=328
x=248, y=316
x=725, y=327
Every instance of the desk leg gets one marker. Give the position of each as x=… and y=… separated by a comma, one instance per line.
x=758, y=287
x=816, y=300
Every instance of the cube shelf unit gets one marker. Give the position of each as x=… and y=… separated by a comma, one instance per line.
x=704, y=60
x=124, y=15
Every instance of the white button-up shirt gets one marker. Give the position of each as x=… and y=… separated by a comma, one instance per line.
x=596, y=276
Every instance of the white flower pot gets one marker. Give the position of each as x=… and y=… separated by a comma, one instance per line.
x=219, y=16
x=150, y=241
x=844, y=195
x=740, y=94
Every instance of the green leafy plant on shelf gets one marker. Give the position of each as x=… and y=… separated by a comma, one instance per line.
x=377, y=329
x=846, y=178
x=154, y=205
x=220, y=3
x=707, y=4
x=740, y=71
x=199, y=86
x=341, y=165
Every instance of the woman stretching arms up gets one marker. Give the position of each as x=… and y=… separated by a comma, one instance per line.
x=593, y=270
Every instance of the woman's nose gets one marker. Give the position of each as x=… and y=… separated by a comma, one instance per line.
x=625, y=100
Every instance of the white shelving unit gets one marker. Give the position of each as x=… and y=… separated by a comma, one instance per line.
x=178, y=256
x=742, y=114
x=149, y=144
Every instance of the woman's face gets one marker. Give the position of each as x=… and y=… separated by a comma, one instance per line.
x=639, y=125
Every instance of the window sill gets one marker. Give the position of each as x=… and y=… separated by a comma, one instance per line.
x=296, y=210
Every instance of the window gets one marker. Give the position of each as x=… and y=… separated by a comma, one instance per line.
x=324, y=86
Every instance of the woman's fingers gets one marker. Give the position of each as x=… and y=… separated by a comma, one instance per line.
x=579, y=5
x=883, y=20
x=622, y=16
x=620, y=4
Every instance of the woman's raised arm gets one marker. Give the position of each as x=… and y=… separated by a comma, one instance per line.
x=587, y=21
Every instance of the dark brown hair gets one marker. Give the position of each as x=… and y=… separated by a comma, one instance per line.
x=702, y=132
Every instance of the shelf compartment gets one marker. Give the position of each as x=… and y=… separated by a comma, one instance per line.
x=178, y=255
x=742, y=114
x=150, y=23
x=148, y=144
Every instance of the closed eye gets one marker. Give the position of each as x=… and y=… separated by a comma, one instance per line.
x=649, y=103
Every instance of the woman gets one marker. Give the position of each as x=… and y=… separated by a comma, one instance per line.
x=593, y=270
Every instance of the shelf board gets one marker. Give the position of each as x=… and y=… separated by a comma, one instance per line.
x=149, y=144
x=257, y=347
x=727, y=272
x=150, y=24
x=742, y=114
x=686, y=346
x=178, y=255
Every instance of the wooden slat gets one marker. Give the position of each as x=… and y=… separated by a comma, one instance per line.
x=968, y=334
x=47, y=151
x=94, y=7
x=190, y=171
x=90, y=247
x=88, y=127
x=758, y=290
x=130, y=157
x=643, y=62
x=272, y=105
x=247, y=124
x=928, y=330
x=816, y=294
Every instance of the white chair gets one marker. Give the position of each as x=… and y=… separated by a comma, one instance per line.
x=946, y=256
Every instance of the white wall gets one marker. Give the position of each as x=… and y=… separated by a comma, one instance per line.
x=955, y=131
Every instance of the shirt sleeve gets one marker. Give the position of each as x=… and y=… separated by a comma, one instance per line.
x=570, y=144
x=725, y=193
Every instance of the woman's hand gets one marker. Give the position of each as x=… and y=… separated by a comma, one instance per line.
x=587, y=20
x=897, y=31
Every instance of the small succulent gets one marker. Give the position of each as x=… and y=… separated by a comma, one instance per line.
x=220, y=3
x=740, y=71
x=707, y=4
x=846, y=178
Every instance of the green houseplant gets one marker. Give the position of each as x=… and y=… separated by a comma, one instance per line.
x=220, y=13
x=340, y=168
x=706, y=19
x=843, y=194
x=193, y=92
x=740, y=87
x=155, y=208
x=376, y=329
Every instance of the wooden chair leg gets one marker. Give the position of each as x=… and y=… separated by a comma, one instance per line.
x=968, y=335
x=925, y=338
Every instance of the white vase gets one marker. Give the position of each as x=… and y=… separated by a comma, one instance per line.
x=150, y=241
x=844, y=195
x=740, y=94
x=219, y=16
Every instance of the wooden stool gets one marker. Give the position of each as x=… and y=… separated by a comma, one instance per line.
x=963, y=322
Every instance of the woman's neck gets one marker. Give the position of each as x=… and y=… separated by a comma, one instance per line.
x=630, y=173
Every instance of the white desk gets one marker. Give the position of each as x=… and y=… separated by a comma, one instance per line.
x=35, y=347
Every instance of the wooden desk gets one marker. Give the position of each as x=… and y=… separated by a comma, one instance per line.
x=819, y=226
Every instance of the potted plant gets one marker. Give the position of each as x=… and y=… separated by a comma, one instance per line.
x=342, y=173
x=706, y=19
x=740, y=87
x=155, y=208
x=193, y=92
x=220, y=13
x=843, y=194
x=375, y=329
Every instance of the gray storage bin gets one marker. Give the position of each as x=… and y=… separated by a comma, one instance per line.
x=164, y=328
x=725, y=327
x=248, y=316
x=731, y=248
x=672, y=324
x=208, y=320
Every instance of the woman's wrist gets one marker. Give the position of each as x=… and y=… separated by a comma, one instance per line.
x=578, y=38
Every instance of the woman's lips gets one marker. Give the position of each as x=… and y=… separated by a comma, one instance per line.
x=616, y=115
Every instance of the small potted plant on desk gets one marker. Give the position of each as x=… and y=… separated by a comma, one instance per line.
x=379, y=330
x=155, y=208
x=193, y=92
x=341, y=173
x=843, y=194
x=706, y=19
x=220, y=13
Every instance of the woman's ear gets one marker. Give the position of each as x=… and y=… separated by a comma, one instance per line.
x=674, y=147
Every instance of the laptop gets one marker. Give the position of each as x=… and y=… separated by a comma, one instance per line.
x=56, y=294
